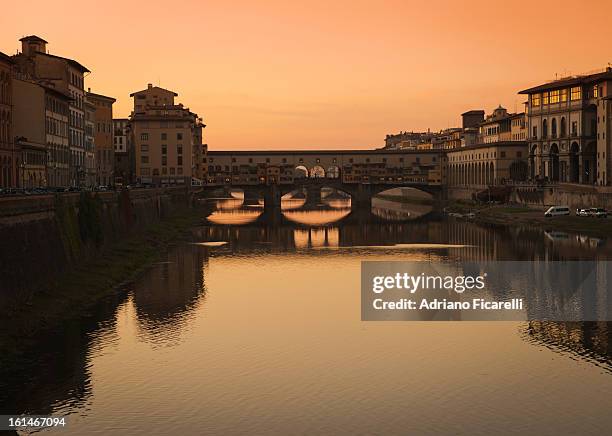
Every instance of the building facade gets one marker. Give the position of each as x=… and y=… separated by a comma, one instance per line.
x=8, y=158
x=67, y=75
x=502, y=126
x=163, y=136
x=56, y=129
x=29, y=128
x=104, y=145
x=484, y=165
x=569, y=137
x=91, y=162
x=124, y=152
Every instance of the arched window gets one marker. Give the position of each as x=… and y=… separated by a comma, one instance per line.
x=553, y=127
x=544, y=128
x=563, y=128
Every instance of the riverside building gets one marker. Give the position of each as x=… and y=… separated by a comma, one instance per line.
x=569, y=129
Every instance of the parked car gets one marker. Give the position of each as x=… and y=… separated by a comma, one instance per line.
x=557, y=211
x=583, y=212
x=601, y=213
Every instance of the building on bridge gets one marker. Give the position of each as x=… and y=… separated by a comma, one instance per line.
x=569, y=129
x=425, y=167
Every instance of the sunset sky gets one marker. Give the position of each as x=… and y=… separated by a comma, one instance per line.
x=320, y=74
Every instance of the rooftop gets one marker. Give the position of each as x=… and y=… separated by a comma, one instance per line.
x=152, y=87
x=100, y=96
x=569, y=81
x=71, y=62
x=33, y=38
x=6, y=58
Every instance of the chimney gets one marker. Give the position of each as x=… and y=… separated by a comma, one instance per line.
x=150, y=85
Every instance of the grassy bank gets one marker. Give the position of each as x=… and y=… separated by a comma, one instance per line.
x=525, y=216
x=76, y=291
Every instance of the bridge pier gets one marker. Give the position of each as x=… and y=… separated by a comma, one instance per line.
x=362, y=198
x=313, y=195
x=251, y=198
x=272, y=198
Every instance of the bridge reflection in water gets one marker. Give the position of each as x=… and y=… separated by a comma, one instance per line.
x=169, y=316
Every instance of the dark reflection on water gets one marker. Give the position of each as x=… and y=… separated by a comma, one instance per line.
x=590, y=341
x=190, y=330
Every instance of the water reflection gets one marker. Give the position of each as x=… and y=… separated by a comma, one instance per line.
x=261, y=314
x=166, y=295
x=591, y=341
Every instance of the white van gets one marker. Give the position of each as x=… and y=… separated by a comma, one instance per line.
x=557, y=211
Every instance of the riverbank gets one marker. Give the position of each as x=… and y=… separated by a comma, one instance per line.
x=75, y=292
x=517, y=215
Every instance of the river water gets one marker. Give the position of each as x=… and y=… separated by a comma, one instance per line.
x=254, y=327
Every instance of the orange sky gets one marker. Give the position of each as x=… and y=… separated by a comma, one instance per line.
x=320, y=74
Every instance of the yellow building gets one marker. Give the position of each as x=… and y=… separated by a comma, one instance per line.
x=484, y=165
x=164, y=137
x=103, y=137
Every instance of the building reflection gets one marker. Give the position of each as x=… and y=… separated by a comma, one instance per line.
x=166, y=295
x=590, y=341
x=53, y=370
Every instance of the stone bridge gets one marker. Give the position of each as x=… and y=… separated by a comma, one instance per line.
x=359, y=173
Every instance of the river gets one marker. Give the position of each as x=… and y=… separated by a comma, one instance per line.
x=254, y=327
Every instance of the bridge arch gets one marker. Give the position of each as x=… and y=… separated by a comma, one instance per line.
x=300, y=172
x=333, y=172
x=317, y=172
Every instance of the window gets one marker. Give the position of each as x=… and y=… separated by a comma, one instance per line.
x=179, y=149
x=164, y=160
x=545, y=98
x=144, y=136
x=144, y=159
x=576, y=93
x=563, y=127
x=164, y=136
x=165, y=149
x=554, y=96
x=563, y=95
x=145, y=171
x=574, y=128
x=179, y=160
x=535, y=100
x=535, y=132
x=179, y=136
x=595, y=91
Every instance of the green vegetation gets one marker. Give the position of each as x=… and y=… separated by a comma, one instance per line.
x=90, y=222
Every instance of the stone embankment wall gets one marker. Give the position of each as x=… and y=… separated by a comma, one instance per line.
x=43, y=236
x=562, y=194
